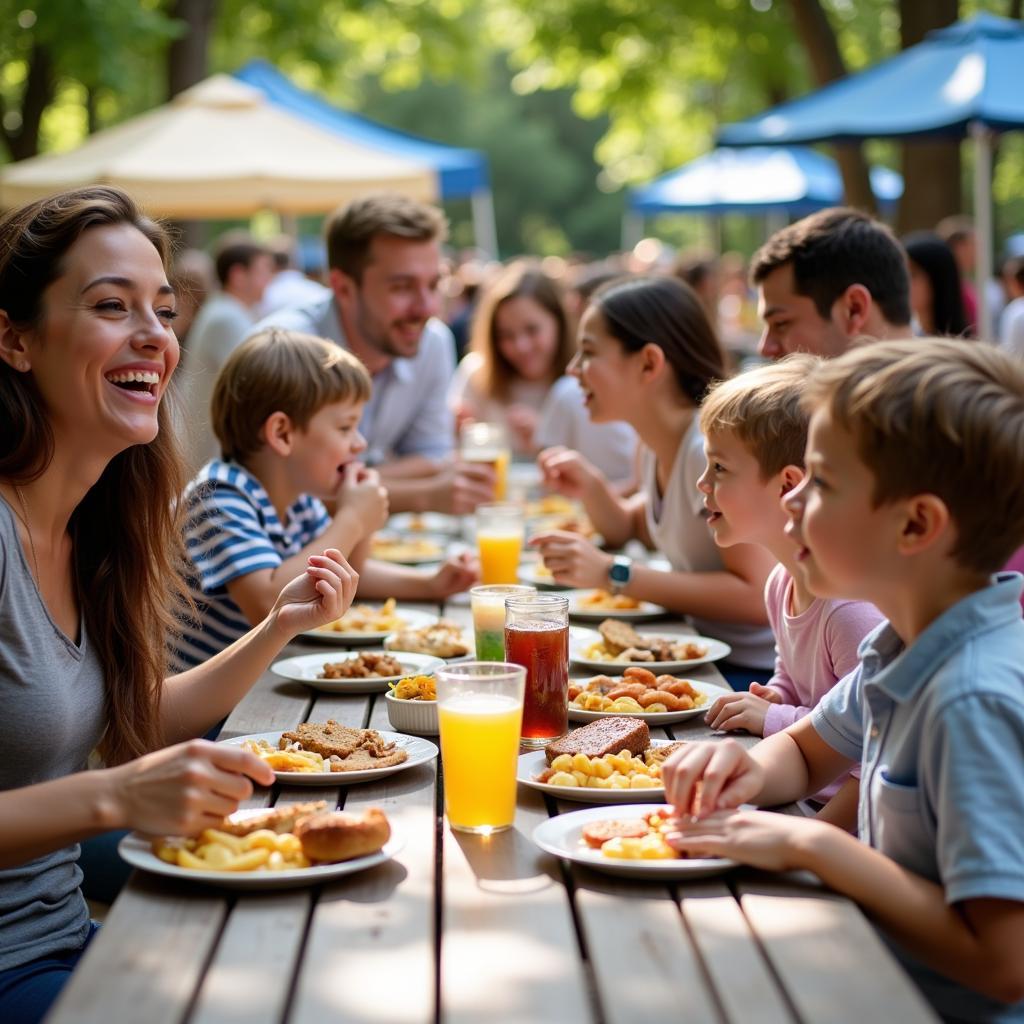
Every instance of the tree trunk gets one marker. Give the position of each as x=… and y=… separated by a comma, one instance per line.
x=931, y=167
x=822, y=47
x=187, y=62
x=39, y=89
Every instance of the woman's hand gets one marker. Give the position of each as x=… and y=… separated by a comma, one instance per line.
x=458, y=573
x=567, y=472
x=572, y=559
x=522, y=422
x=183, y=789
x=702, y=778
x=741, y=711
x=323, y=593
x=775, y=842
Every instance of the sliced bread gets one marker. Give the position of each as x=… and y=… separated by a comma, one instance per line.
x=608, y=736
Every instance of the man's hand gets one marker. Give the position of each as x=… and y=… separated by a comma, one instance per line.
x=572, y=559
x=567, y=472
x=461, y=486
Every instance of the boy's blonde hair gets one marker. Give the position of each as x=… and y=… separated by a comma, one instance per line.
x=763, y=409
x=280, y=371
x=943, y=417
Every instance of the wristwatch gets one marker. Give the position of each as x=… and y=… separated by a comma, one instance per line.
x=619, y=573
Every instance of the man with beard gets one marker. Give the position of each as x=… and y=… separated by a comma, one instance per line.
x=384, y=256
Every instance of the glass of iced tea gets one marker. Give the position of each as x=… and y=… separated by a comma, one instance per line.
x=537, y=637
x=487, y=442
x=479, y=712
x=488, y=604
x=499, y=538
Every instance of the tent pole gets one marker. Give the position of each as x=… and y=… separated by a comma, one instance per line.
x=485, y=230
x=983, y=225
x=632, y=229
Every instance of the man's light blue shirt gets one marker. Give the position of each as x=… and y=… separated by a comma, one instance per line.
x=939, y=730
x=408, y=412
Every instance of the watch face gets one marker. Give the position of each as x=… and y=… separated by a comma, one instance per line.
x=619, y=572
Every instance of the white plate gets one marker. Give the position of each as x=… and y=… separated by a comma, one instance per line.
x=304, y=668
x=137, y=851
x=561, y=836
x=420, y=751
x=527, y=574
x=425, y=523
x=580, y=611
x=655, y=717
x=581, y=639
x=413, y=558
x=534, y=762
x=412, y=617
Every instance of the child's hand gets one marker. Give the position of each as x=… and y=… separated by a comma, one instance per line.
x=323, y=593
x=705, y=777
x=739, y=711
x=361, y=492
x=759, y=838
x=567, y=472
x=458, y=573
x=572, y=559
x=770, y=695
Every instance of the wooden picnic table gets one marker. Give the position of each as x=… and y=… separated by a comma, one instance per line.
x=460, y=928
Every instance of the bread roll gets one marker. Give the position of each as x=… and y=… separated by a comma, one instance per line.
x=338, y=835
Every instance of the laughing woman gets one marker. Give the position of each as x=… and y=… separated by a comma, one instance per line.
x=89, y=546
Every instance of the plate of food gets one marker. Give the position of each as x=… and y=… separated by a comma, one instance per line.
x=598, y=605
x=438, y=637
x=537, y=574
x=425, y=523
x=351, y=672
x=617, y=643
x=281, y=848
x=407, y=550
x=367, y=624
x=627, y=841
x=639, y=693
x=610, y=762
x=331, y=754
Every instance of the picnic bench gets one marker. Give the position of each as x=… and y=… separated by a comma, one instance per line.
x=460, y=928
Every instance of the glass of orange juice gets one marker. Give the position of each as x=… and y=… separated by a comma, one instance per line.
x=499, y=537
x=487, y=442
x=480, y=714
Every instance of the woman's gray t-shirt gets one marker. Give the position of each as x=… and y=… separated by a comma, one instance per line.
x=51, y=718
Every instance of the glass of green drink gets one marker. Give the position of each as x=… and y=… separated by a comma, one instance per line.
x=488, y=604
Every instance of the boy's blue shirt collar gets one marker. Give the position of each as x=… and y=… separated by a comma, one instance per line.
x=901, y=672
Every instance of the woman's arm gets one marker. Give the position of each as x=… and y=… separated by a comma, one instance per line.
x=194, y=700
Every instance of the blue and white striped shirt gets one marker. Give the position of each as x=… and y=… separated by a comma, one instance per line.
x=232, y=530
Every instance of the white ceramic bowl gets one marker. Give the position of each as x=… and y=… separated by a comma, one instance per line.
x=418, y=717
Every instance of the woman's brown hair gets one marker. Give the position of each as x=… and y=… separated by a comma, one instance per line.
x=518, y=281
x=126, y=534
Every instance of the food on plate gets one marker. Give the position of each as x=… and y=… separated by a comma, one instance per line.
x=368, y=665
x=541, y=571
x=343, y=836
x=602, y=600
x=400, y=549
x=345, y=748
x=639, y=691
x=637, y=839
x=621, y=643
x=659, y=755
x=364, y=618
x=441, y=639
x=609, y=736
x=612, y=771
x=550, y=505
x=284, y=838
x=415, y=688
x=291, y=759
x=572, y=523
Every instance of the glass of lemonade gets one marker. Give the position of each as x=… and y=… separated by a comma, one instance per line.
x=499, y=537
x=537, y=637
x=487, y=442
x=480, y=713
x=488, y=604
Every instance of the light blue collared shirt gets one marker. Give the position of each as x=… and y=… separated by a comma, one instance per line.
x=939, y=730
x=408, y=413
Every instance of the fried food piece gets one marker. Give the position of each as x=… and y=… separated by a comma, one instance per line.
x=442, y=640
x=659, y=755
x=639, y=675
x=619, y=635
x=346, y=749
x=277, y=819
x=597, y=833
x=338, y=836
x=367, y=665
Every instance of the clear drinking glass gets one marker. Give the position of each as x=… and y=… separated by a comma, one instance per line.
x=537, y=637
x=487, y=442
x=488, y=604
x=480, y=712
x=499, y=538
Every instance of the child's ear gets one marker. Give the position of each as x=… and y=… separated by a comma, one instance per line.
x=278, y=433
x=926, y=521
x=790, y=477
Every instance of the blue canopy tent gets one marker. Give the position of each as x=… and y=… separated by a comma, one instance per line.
x=462, y=173
x=961, y=80
x=791, y=179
